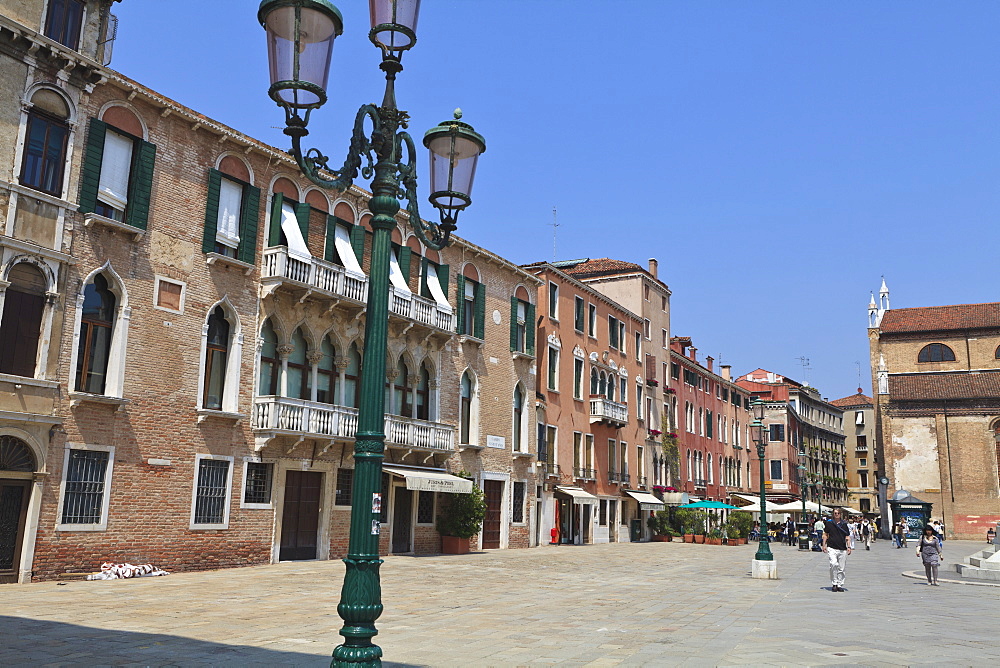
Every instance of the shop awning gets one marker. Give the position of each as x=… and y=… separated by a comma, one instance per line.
x=579, y=495
x=646, y=501
x=427, y=480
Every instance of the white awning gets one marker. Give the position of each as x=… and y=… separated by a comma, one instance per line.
x=434, y=285
x=432, y=481
x=396, y=275
x=646, y=501
x=579, y=495
x=342, y=242
x=293, y=235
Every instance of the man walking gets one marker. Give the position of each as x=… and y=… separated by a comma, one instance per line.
x=837, y=543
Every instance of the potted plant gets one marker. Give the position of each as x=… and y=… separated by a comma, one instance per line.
x=738, y=527
x=659, y=524
x=688, y=522
x=714, y=537
x=460, y=520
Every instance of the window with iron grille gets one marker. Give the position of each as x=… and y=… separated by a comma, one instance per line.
x=517, y=516
x=83, y=501
x=425, y=508
x=345, y=480
x=257, y=488
x=212, y=489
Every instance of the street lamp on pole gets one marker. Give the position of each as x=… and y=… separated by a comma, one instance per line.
x=300, y=36
x=760, y=429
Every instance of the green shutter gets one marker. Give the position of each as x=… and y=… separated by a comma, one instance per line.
x=513, y=323
x=460, y=303
x=211, y=210
x=249, y=215
x=330, y=251
x=140, y=187
x=90, y=174
x=274, y=233
x=529, y=330
x=358, y=243
x=442, y=271
x=302, y=215
x=404, y=262
x=479, y=328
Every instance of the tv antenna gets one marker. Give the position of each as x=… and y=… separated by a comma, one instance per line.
x=804, y=361
x=555, y=226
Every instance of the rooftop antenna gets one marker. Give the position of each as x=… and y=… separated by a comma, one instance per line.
x=804, y=361
x=859, y=377
x=555, y=225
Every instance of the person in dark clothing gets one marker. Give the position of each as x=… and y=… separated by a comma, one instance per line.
x=837, y=543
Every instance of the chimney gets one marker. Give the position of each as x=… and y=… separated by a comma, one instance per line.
x=727, y=371
x=693, y=354
x=709, y=361
x=653, y=266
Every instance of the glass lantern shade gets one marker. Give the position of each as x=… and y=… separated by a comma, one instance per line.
x=394, y=24
x=300, y=35
x=454, y=150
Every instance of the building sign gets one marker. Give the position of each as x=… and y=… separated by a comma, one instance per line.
x=496, y=442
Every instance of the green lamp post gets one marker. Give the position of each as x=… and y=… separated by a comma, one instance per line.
x=764, y=545
x=300, y=36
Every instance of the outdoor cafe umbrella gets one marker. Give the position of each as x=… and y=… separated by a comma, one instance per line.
x=716, y=505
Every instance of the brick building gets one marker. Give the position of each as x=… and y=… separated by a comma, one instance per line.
x=182, y=328
x=804, y=429
x=862, y=461
x=936, y=373
x=642, y=292
x=710, y=414
x=594, y=426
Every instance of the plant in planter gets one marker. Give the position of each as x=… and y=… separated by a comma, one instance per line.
x=460, y=520
x=738, y=526
x=659, y=524
x=714, y=537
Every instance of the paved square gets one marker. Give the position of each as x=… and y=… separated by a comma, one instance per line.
x=655, y=604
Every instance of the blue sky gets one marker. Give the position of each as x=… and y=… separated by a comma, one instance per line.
x=776, y=157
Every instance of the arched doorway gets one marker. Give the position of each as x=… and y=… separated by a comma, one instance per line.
x=17, y=464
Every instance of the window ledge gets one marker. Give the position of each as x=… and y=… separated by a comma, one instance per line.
x=30, y=382
x=463, y=338
x=90, y=219
x=526, y=455
x=219, y=258
x=205, y=413
x=77, y=398
x=518, y=355
x=29, y=247
x=470, y=446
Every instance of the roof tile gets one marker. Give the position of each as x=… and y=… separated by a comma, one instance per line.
x=942, y=318
x=937, y=386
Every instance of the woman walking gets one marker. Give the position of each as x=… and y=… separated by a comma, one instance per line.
x=929, y=550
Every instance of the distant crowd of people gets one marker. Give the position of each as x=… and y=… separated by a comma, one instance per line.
x=837, y=537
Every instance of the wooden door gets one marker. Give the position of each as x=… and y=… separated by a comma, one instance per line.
x=493, y=489
x=402, y=521
x=300, y=515
x=13, y=512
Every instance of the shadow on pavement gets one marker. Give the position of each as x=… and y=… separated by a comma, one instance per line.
x=41, y=642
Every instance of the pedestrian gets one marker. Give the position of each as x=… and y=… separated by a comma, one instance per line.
x=866, y=534
x=790, y=531
x=818, y=527
x=837, y=543
x=904, y=529
x=899, y=534
x=929, y=550
x=938, y=529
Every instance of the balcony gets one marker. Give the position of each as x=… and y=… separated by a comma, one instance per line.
x=277, y=416
x=425, y=311
x=311, y=276
x=642, y=482
x=614, y=477
x=700, y=483
x=605, y=410
x=584, y=474
x=549, y=469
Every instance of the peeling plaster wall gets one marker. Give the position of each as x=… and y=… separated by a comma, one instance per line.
x=913, y=454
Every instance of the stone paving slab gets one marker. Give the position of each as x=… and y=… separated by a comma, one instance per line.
x=647, y=604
